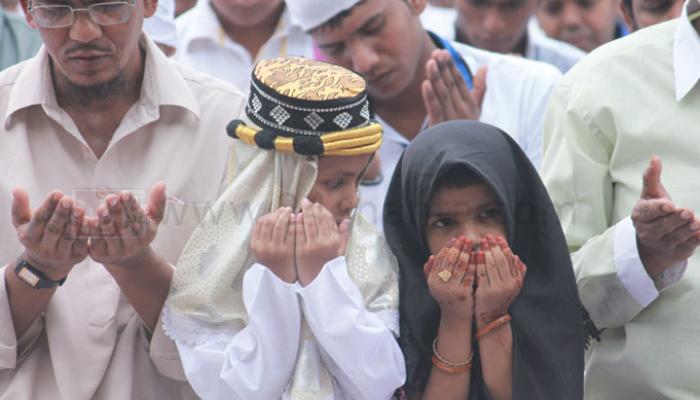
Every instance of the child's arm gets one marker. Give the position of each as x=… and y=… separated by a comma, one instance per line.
x=450, y=278
x=257, y=361
x=499, y=277
x=356, y=346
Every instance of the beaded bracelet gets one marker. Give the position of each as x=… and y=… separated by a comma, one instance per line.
x=452, y=368
x=492, y=326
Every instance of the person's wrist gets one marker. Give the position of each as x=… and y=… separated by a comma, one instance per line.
x=456, y=322
x=137, y=261
x=488, y=316
x=286, y=273
x=308, y=270
x=54, y=272
x=652, y=265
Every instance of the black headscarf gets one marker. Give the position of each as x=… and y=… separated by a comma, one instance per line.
x=548, y=336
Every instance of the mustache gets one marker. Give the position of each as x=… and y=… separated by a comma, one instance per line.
x=87, y=47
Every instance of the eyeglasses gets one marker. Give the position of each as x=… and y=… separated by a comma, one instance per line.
x=61, y=16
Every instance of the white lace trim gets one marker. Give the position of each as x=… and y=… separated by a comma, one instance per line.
x=191, y=331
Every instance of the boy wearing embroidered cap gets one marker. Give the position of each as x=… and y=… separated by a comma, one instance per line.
x=284, y=292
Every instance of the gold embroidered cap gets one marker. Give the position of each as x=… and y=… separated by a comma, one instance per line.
x=308, y=107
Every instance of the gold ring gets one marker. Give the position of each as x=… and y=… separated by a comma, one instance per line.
x=445, y=275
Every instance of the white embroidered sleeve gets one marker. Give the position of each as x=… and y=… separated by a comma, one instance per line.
x=258, y=361
x=357, y=347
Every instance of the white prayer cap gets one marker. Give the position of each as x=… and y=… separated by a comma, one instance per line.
x=310, y=14
x=161, y=25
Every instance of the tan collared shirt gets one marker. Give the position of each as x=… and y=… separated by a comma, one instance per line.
x=90, y=343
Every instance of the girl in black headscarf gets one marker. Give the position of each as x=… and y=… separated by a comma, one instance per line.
x=473, y=323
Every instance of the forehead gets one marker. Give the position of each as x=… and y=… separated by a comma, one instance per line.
x=497, y=2
x=471, y=196
x=651, y=3
x=342, y=165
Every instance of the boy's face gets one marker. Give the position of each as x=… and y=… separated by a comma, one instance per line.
x=586, y=24
x=494, y=25
x=336, y=184
x=650, y=12
x=248, y=13
x=472, y=211
x=380, y=40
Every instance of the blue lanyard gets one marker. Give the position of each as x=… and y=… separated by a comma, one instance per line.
x=457, y=58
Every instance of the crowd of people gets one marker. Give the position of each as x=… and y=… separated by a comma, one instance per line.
x=349, y=199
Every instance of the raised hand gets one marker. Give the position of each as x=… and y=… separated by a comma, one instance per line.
x=445, y=94
x=123, y=230
x=54, y=235
x=666, y=234
x=272, y=243
x=499, y=278
x=318, y=240
x=450, y=277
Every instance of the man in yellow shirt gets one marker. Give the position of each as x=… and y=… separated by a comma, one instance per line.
x=634, y=255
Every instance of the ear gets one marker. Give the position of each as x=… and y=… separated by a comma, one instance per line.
x=629, y=19
x=27, y=16
x=149, y=7
x=417, y=6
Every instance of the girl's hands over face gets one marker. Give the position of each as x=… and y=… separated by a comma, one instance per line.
x=450, y=277
x=499, y=278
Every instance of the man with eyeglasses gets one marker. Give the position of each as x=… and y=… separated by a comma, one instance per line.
x=93, y=130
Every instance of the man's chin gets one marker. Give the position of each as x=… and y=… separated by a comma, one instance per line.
x=86, y=89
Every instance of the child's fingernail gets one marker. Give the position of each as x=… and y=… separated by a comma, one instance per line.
x=481, y=258
x=451, y=242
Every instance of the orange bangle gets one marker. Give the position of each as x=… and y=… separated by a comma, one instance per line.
x=451, y=368
x=492, y=326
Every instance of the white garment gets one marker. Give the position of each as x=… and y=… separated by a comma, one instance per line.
x=203, y=45
x=631, y=271
x=517, y=91
x=439, y=20
x=540, y=47
x=312, y=13
x=601, y=128
x=161, y=25
x=357, y=346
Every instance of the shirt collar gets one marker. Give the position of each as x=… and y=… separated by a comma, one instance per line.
x=686, y=56
x=162, y=85
x=207, y=25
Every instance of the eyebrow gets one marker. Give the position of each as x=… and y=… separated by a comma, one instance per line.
x=364, y=26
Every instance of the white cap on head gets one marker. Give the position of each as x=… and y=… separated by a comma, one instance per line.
x=310, y=14
x=161, y=25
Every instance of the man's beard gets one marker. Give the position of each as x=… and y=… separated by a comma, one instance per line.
x=85, y=95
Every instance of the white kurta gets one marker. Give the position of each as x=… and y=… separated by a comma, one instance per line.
x=355, y=345
x=627, y=100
